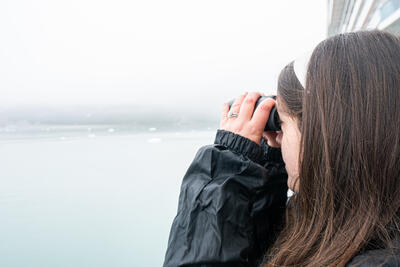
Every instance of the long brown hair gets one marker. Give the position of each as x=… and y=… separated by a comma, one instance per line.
x=349, y=172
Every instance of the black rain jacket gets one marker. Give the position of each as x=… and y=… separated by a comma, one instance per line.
x=231, y=207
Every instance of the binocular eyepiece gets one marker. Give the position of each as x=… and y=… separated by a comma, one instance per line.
x=273, y=123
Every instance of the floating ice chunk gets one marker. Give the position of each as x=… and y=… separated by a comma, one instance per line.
x=111, y=130
x=154, y=140
x=63, y=138
x=152, y=129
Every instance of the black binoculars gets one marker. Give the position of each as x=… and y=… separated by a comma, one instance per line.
x=273, y=123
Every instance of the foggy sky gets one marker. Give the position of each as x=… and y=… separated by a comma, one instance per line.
x=173, y=54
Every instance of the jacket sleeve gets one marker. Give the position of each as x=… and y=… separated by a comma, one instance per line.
x=231, y=204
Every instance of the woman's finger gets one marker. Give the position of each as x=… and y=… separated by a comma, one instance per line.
x=261, y=114
x=236, y=106
x=247, y=108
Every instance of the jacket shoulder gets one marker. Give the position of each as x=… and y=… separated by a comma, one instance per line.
x=231, y=205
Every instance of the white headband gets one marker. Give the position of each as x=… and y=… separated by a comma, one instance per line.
x=300, y=67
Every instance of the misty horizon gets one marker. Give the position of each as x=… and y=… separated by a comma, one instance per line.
x=122, y=117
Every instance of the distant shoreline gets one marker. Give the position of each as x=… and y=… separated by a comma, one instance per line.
x=139, y=116
x=68, y=132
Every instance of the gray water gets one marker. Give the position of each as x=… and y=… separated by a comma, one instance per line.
x=92, y=200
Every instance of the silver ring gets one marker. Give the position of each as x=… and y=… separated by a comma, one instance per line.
x=232, y=114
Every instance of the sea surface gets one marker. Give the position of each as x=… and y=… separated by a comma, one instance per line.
x=73, y=199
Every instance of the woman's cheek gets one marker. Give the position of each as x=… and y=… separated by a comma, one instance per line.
x=288, y=156
x=282, y=142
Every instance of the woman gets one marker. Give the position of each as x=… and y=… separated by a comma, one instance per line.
x=340, y=146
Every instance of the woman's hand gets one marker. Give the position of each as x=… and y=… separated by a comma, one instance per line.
x=247, y=124
x=273, y=138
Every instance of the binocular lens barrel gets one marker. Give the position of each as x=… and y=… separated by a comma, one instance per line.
x=273, y=120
